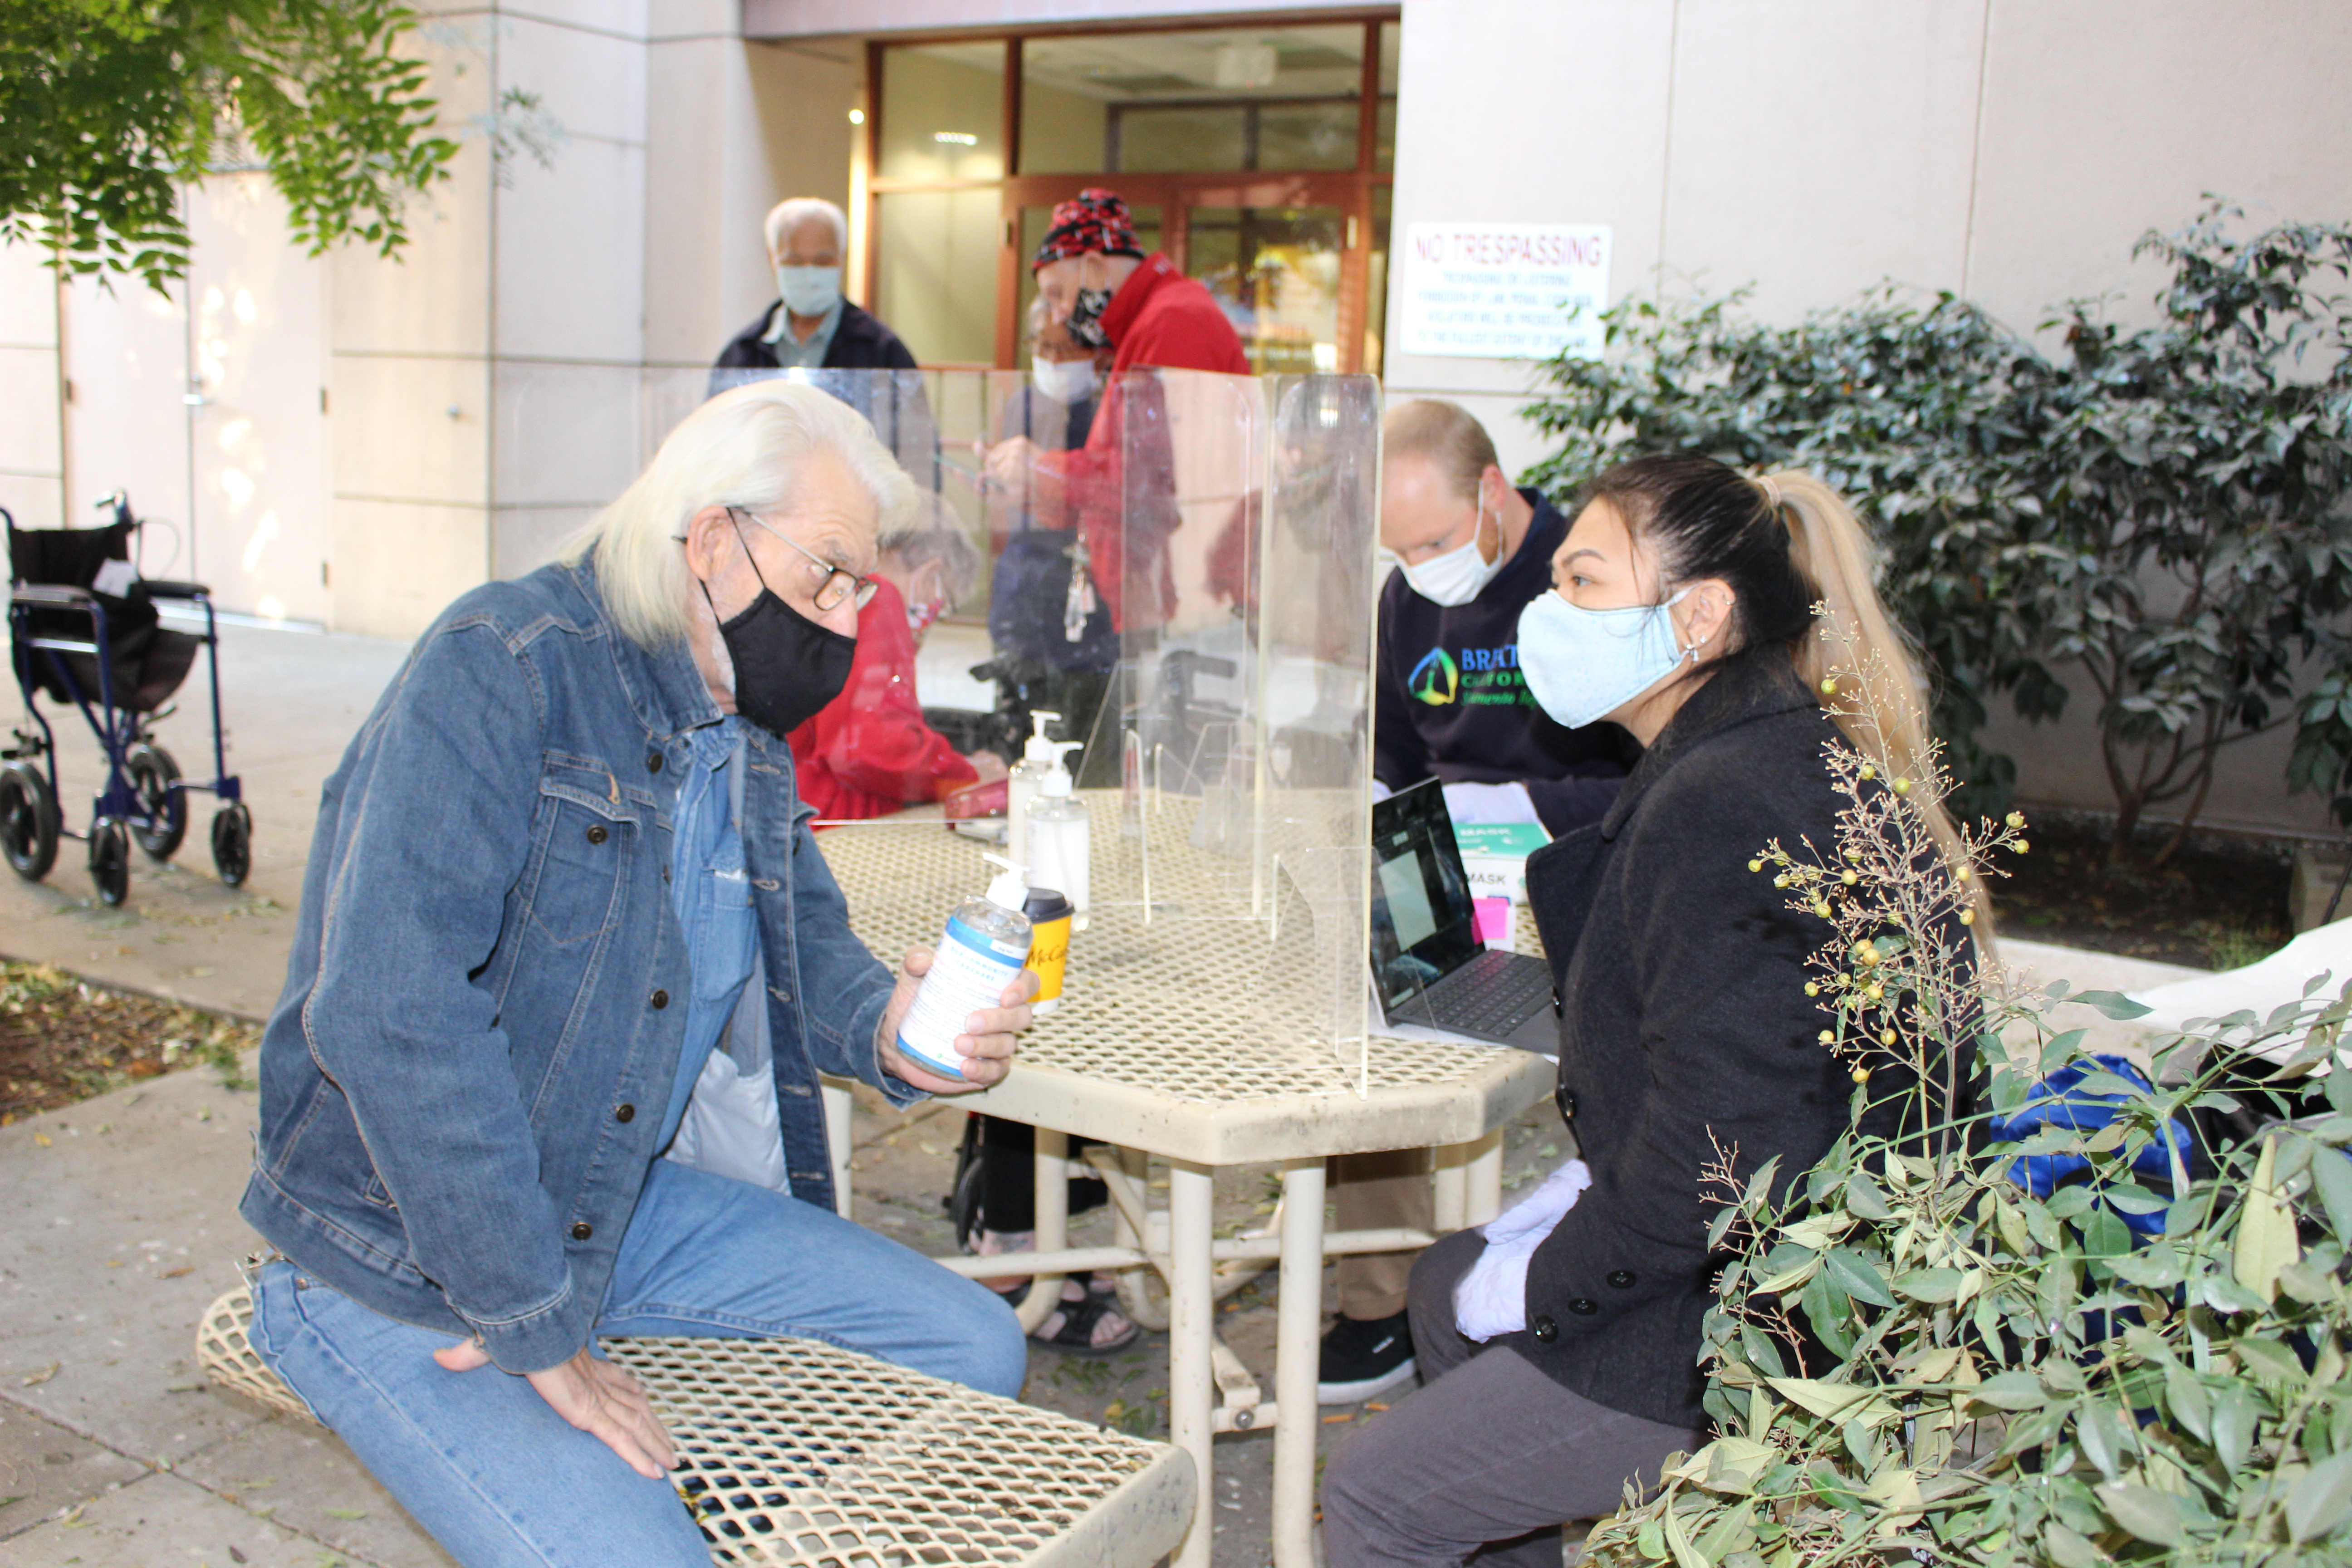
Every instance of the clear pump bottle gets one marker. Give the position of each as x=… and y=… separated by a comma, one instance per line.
x=984, y=947
x=1038, y=758
x=1060, y=839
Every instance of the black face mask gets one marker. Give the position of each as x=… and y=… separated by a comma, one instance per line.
x=786, y=666
x=1084, y=325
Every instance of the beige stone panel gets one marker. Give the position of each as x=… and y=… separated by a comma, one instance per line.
x=263, y=459
x=571, y=256
x=731, y=130
x=126, y=357
x=1819, y=147
x=28, y=411
x=2104, y=119
x=29, y=298
x=433, y=296
x=695, y=91
x=674, y=19
x=1529, y=111
x=631, y=18
x=399, y=565
x=37, y=500
x=593, y=82
x=525, y=538
x=567, y=433
x=395, y=437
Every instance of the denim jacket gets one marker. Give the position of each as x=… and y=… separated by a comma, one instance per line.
x=463, y=1083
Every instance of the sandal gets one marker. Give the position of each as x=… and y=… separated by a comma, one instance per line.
x=1072, y=1328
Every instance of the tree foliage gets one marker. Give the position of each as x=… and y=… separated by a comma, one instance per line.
x=2161, y=512
x=108, y=107
x=1927, y=1350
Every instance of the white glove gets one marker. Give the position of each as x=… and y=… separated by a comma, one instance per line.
x=1492, y=1298
x=1490, y=803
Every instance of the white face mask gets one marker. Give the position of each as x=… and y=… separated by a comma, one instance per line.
x=809, y=291
x=1460, y=576
x=1065, y=380
x=1583, y=665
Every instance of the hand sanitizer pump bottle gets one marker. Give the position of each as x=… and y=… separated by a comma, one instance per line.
x=1060, y=838
x=985, y=945
x=1037, y=759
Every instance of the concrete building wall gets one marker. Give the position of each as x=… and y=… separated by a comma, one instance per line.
x=2010, y=149
x=32, y=450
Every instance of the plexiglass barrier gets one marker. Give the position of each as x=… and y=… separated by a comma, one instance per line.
x=1180, y=567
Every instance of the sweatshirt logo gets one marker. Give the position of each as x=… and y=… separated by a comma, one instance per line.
x=1435, y=679
x=1477, y=674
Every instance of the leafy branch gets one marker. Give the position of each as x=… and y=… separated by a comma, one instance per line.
x=108, y=106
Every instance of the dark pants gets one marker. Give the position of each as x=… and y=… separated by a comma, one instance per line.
x=1490, y=1452
x=1008, y=1177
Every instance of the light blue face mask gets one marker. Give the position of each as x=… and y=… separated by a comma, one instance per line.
x=1582, y=664
x=809, y=291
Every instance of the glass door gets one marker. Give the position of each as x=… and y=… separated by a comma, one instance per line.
x=1275, y=271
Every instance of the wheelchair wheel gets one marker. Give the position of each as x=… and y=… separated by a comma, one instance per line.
x=28, y=822
x=233, y=843
x=163, y=808
x=110, y=860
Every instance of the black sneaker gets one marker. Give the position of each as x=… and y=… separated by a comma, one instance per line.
x=1362, y=1357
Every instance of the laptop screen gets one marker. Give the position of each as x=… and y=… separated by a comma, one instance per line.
x=1422, y=924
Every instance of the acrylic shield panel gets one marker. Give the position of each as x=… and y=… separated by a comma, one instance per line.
x=1182, y=567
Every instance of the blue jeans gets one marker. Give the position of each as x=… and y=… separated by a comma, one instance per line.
x=502, y=1481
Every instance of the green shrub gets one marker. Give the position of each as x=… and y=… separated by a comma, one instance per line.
x=2161, y=512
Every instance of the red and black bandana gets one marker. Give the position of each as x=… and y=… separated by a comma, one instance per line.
x=1097, y=221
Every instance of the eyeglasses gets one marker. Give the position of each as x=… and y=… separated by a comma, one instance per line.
x=838, y=586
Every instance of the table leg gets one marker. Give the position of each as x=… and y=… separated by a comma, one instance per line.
x=839, y=1108
x=1190, y=1308
x=1051, y=1216
x=1299, y=1321
x=1484, y=1178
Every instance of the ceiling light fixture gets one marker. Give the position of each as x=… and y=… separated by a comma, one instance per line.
x=956, y=138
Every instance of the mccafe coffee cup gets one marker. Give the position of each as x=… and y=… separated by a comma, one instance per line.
x=1049, y=944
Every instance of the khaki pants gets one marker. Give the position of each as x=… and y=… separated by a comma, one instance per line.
x=1375, y=1192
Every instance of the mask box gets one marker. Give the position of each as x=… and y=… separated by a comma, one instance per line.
x=1495, y=856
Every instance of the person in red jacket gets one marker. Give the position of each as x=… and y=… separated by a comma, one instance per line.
x=1097, y=283
x=868, y=752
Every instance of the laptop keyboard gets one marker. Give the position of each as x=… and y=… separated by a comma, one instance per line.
x=1493, y=993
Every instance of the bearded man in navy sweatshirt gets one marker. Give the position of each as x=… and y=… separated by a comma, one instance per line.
x=1452, y=705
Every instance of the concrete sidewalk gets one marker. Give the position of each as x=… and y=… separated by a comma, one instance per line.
x=117, y=1219
x=291, y=701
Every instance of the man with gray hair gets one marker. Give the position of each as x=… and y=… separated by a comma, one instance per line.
x=560, y=864
x=811, y=326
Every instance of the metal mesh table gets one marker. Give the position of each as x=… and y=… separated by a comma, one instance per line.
x=1173, y=1040
x=796, y=1454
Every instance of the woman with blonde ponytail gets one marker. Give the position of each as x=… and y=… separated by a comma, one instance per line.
x=1732, y=626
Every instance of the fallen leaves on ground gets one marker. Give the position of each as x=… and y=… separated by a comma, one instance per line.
x=63, y=1040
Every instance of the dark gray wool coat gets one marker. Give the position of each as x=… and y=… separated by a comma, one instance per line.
x=1682, y=978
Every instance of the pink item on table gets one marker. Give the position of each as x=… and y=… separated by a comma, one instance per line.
x=1491, y=920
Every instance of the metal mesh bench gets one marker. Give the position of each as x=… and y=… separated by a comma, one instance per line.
x=795, y=1453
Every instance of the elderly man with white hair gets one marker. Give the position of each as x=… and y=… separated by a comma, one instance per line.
x=562, y=858
x=811, y=326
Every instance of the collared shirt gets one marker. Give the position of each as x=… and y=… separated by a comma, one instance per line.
x=712, y=893
x=793, y=353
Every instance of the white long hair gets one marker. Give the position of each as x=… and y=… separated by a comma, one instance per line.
x=746, y=448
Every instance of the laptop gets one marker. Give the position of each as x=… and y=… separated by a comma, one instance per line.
x=1429, y=968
